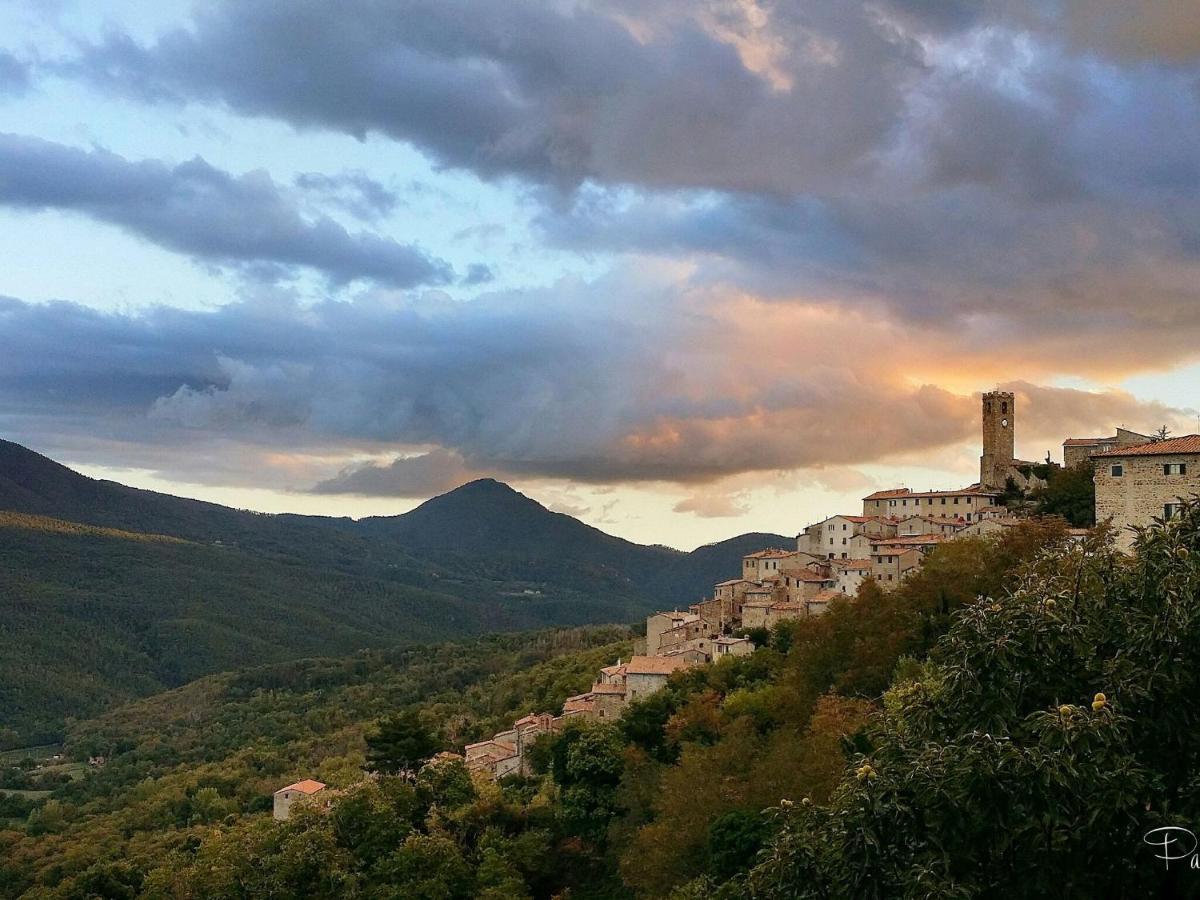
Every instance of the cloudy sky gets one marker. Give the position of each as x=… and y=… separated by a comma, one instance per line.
x=683, y=268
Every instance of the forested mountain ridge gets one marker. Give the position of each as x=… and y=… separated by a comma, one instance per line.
x=945, y=738
x=109, y=592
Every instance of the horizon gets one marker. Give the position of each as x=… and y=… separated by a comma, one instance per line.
x=680, y=272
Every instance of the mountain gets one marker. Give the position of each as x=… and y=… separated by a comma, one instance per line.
x=109, y=592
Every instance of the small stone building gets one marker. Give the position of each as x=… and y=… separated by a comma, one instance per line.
x=1142, y=482
x=286, y=796
x=1081, y=450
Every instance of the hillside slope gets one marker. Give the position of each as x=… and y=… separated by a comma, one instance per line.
x=92, y=617
x=109, y=592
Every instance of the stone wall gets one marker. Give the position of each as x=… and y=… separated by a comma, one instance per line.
x=1138, y=495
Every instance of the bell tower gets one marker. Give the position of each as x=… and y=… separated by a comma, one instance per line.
x=999, y=446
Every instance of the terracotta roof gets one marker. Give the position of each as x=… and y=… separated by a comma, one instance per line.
x=308, y=786
x=770, y=553
x=851, y=563
x=618, y=668
x=893, y=492
x=1189, y=443
x=972, y=490
x=655, y=665
x=1087, y=442
x=731, y=640
x=608, y=688
x=825, y=597
x=733, y=581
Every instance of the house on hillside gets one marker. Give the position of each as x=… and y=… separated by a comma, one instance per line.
x=286, y=797
x=1142, y=482
x=1081, y=450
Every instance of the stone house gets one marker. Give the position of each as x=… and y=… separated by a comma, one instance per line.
x=644, y=675
x=893, y=558
x=965, y=503
x=802, y=584
x=765, y=563
x=1081, y=450
x=928, y=525
x=732, y=646
x=287, y=796
x=661, y=622
x=834, y=537
x=851, y=573
x=1142, y=482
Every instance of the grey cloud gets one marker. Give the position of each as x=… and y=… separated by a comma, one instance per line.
x=422, y=475
x=14, y=74
x=354, y=191
x=555, y=94
x=479, y=273
x=204, y=212
x=533, y=384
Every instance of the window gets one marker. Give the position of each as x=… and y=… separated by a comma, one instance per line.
x=968, y=501
x=1116, y=470
x=1170, y=510
x=843, y=556
x=956, y=501
x=1004, y=407
x=943, y=501
x=843, y=542
x=831, y=526
x=843, y=526
x=1174, y=468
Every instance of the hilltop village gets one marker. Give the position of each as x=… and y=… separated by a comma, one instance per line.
x=1137, y=479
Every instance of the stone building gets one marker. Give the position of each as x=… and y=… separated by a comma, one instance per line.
x=287, y=796
x=644, y=675
x=998, y=463
x=900, y=503
x=1081, y=450
x=1141, y=482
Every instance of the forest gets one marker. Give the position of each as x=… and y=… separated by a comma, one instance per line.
x=1010, y=721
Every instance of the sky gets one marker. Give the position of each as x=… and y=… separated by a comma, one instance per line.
x=680, y=268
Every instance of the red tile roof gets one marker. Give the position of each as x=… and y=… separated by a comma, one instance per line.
x=851, y=563
x=1189, y=443
x=770, y=553
x=972, y=490
x=655, y=665
x=1087, y=442
x=308, y=786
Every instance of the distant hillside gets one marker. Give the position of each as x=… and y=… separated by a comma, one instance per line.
x=109, y=592
x=92, y=617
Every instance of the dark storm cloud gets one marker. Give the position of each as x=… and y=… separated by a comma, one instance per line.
x=555, y=94
x=931, y=158
x=534, y=383
x=411, y=476
x=204, y=212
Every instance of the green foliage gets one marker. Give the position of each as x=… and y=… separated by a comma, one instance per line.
x=1051, y=730
x=400, y=743
x=734, y=840
x=1070, y=493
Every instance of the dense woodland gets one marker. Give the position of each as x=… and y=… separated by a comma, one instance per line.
x=109, y=593
x=1009, y=721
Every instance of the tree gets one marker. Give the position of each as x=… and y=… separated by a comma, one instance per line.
x=1070, y=493
x=1052, y=728
x=400, y=744
x=734, y=839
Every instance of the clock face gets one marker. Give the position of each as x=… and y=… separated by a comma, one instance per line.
x=1004, y=423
